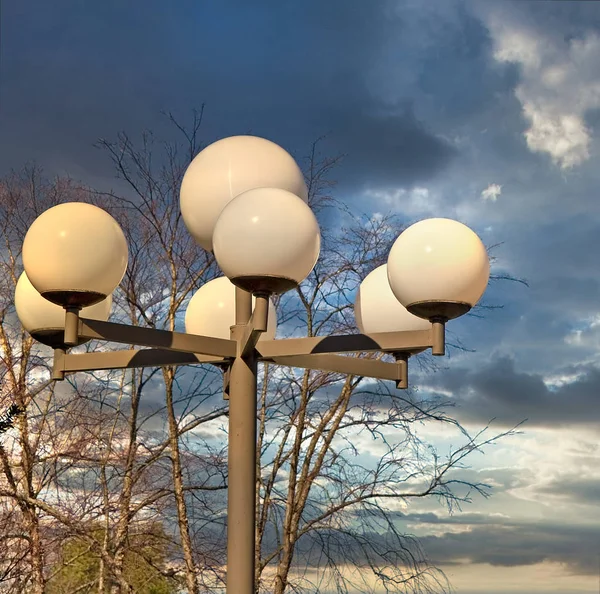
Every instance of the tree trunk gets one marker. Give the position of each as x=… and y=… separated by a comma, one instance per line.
x=36, y=548
x=283, y=568
x=182, y=517
x=122, y=529
x=37, y=554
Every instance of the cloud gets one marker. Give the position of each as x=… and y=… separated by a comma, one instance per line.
x=498, y=542
x=498, y=390
x=558, y=85
x=412, y=202
x=84, y=75
x=492, y=192
x=523, y=544
x=575, y=489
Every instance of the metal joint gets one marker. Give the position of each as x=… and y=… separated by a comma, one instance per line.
x=402, y=365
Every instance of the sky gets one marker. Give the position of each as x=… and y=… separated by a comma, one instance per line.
x=486, y=112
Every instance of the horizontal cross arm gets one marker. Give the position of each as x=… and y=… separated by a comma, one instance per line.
x=349, y=365
x=150, y=337
x=126, y=359
x=409, y=341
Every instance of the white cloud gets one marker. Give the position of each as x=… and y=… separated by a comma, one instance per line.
x=420, y=193
x=585, y=334
x=417, y=201
x=558, y=380
x=560, y=82
x=441, y=199
x=491, y=192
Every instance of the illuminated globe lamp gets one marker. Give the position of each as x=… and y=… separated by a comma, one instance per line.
x=227, y=168
x=211, y=311
x=44, y=320
x=438, y=269
x=75, y=255
x=267, y=240
x=376, y=309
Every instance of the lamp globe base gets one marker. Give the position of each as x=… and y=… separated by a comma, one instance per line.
x=55, y=338
x=430, y=310
x=73, y=298
x=264, y=284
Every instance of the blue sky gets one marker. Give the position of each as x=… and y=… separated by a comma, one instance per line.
x=487, y=112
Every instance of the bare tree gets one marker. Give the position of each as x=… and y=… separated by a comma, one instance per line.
x=25, y=383
x=105, y=456
x=322, y=506
x=166, y=267
x=74, y=458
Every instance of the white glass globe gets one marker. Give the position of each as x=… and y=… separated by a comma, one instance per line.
x=45, y=321
x=75, y=254
x=211, y=311
x=438, y=267
x=225, y=169
x=376, y=308
x=267, y=240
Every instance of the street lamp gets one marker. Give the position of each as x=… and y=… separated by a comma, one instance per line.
x=245, y=199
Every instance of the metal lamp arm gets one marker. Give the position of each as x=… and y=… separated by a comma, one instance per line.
x=393, y=342
x=150, y=337
x=397, y=372
x=411, y=341
x=178, y=348
x=126, y=359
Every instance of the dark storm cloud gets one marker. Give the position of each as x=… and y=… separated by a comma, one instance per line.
x=569, y=244
x=576, y=489
x=524, y=544
x=489, y=539
x=457, y=519
x=454, y=66
x=497, y=390
x=386, y=150
x=73, y=72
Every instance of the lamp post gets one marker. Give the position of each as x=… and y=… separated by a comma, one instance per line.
x=244, y=198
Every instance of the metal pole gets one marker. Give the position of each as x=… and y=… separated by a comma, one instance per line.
x=243, y=306
x=71, y=325
x=438, y=329
x=241, y=492
x=260, y=315
x=58, y=366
